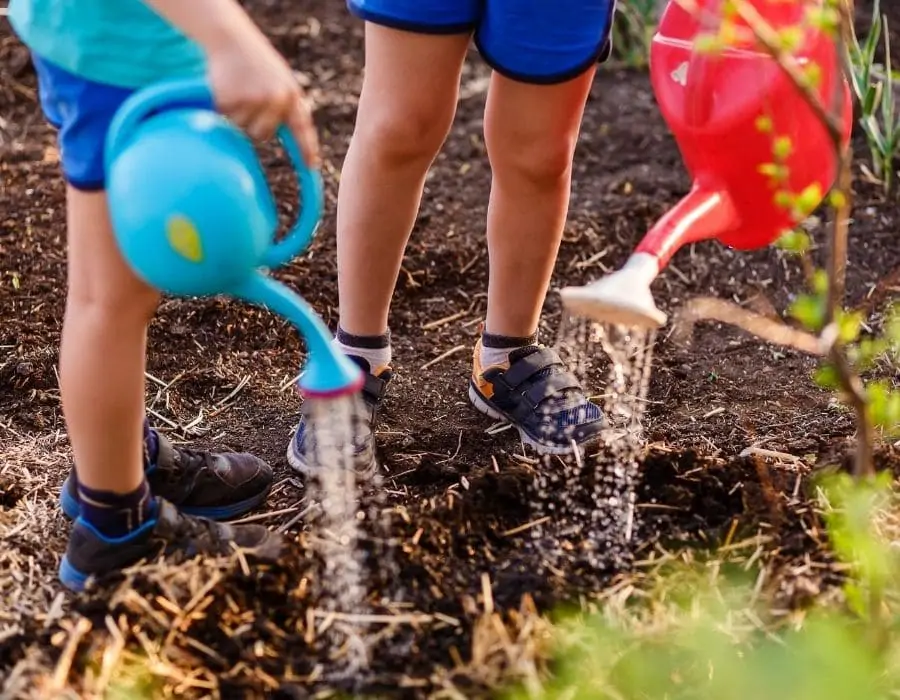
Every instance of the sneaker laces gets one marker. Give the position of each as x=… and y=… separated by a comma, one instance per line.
x=187, y=528
x=188, y=460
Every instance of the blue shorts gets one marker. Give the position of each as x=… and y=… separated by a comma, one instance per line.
x=81, y=111
x=533, y=41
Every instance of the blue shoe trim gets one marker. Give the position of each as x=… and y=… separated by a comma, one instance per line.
x=70, y=506
x=106, y=539
x=71, y=577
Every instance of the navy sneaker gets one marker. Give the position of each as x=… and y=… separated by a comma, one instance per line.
x=219, y=486
x=170, y=532
x=373, y=392
x=537, y=394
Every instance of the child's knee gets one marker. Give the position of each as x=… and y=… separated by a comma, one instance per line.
x=125, y=302
x=544, y=159
x=401, y=135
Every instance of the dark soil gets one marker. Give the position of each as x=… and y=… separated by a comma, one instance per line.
x=709, y=401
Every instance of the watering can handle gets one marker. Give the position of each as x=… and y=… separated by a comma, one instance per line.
x=196, y=93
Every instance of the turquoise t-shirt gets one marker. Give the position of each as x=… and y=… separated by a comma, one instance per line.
x=118, y=42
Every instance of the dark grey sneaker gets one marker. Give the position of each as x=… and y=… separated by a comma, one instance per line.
x=537, y=394
x=219, y=486
x=373, y=392
x=170, y=532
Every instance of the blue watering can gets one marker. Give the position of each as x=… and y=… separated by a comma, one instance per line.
x=194, y=216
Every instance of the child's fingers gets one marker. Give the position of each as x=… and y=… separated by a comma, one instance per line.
x=263, y=124
x=300, y=123
x=241, y=117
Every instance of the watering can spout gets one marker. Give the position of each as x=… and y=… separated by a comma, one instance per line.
x=624, y=296
x=328, y=373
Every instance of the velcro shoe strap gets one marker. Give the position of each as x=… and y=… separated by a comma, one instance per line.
x=521, y=405
x=526, y=367
x=550, y=386
x=374, y=388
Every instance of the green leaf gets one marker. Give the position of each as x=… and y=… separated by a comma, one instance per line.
x=820, y=282
x=809, y=310
x=864, y=354
x=849, y=324
x=884, y=405
x=784, y=199
x=794, y=241
x=782, y=147
x=826, y=377
x=708, y=43
x=873, y=131
x=892, y=326
x=856, y=600
x=837, y=199
x=807, y=201
x=812, y=74
x=775, y=171
x=872, y=96
x=764, y=124
x=790, y=38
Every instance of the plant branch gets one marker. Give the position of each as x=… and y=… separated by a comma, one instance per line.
x=768, y=37
x=770, y=330
x=851, y=384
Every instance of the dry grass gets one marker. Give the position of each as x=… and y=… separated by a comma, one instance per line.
x=32, y=539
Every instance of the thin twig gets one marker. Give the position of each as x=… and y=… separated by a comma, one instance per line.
x=711, y=308
x=443, y=356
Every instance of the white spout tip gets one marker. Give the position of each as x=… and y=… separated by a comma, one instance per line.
x=620, y=298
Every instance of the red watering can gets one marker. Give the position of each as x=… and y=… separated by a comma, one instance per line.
x=731, y=112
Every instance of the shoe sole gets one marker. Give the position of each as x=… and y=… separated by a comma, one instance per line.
x=70, y=577
x=71, y=508
x=298, y=464
x=480, y=403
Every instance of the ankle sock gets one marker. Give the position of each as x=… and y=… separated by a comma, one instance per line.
x=374, y=349
x=117, y=514
x=151, y=444
x=495, y=349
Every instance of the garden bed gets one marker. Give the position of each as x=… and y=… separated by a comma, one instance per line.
x=736, y=428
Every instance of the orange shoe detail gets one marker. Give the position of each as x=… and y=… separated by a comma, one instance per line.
x=484, y=386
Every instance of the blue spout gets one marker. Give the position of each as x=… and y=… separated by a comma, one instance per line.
x=328, y=372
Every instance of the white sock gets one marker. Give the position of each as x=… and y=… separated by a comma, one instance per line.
x=494, y=356
x=374, y=349
x=495, y=349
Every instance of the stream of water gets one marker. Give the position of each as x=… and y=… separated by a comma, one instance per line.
x=334, y=526
x=587, y=501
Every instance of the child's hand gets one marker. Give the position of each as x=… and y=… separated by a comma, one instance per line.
x=251, y=83
x=255, y=87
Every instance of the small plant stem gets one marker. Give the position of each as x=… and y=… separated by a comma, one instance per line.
x=849, y=381
x=851, y=384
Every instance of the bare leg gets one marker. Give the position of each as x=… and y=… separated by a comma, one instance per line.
x=405, y=111
x=530, y=133
x=102, y=361
x=102, y=356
